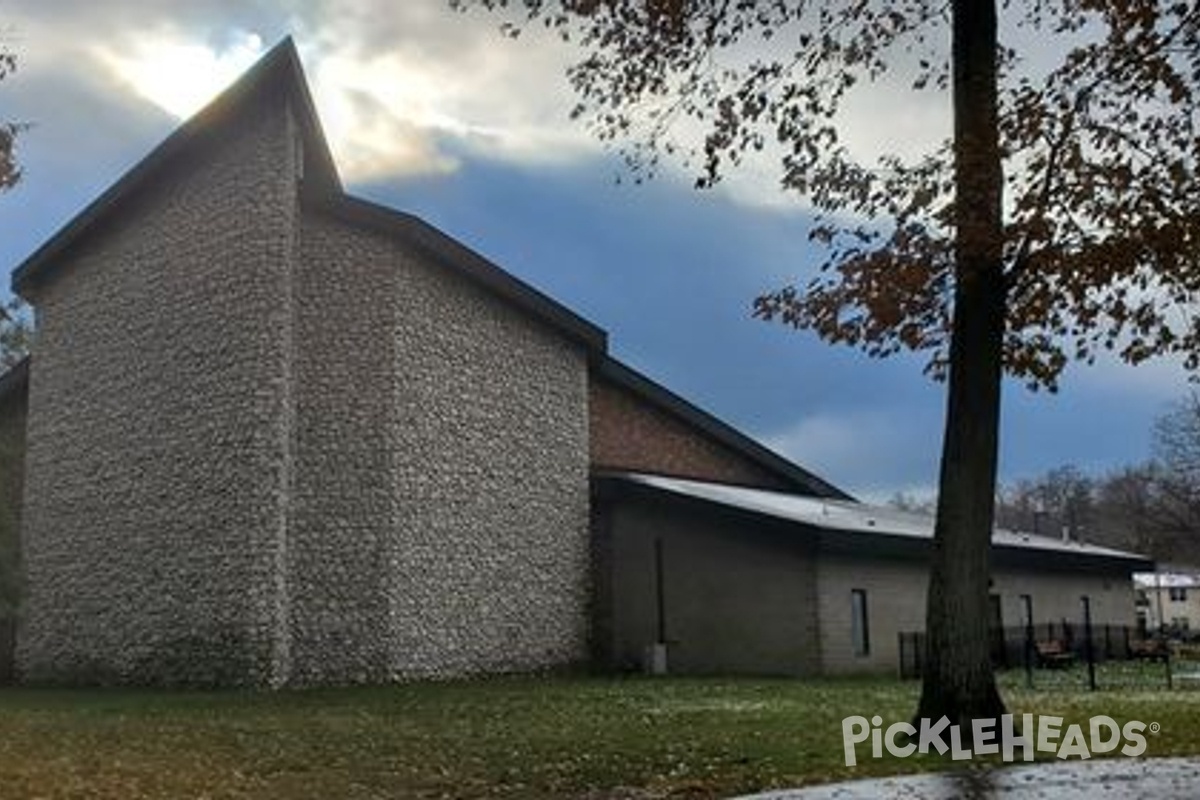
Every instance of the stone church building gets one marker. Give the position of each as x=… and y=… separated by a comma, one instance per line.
x=272, y=434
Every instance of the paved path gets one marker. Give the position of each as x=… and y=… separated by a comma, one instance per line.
x=1099, y=779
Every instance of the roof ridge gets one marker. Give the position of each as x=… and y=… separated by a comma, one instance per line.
x=280, y=69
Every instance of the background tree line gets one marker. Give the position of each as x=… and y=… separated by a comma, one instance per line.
x=1152, y=507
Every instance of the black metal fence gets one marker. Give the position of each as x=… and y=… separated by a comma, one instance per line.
x=1078, y=655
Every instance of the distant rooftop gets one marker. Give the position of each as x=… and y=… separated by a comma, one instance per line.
x=1169, y=578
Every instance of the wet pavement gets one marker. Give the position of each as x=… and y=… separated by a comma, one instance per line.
x=1105, y=779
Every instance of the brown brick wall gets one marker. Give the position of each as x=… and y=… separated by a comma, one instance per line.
x=631, y=433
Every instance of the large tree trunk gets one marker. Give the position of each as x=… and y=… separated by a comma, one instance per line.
x=958, y=681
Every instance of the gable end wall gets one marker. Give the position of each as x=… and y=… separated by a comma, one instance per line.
x=158, y=446
x=441, y=485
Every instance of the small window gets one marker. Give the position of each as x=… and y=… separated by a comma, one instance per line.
x=1178, y=594
x=860, y=635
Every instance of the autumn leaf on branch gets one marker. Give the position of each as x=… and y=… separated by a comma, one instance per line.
x=1102, y=205
x=10, y=171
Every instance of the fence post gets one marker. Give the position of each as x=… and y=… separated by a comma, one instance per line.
x=910, y=654
x=1166, y=658
x=1029, y=653
x=1088, y=649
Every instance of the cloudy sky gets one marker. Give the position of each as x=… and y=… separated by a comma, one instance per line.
x=434, y=113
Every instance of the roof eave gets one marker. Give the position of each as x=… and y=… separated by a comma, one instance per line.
x=449, y=252
x=653, y=392
x=868, y=542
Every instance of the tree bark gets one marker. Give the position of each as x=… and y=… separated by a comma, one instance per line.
x=958, y=680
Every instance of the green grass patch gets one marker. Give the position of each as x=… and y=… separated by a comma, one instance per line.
x=502, y=738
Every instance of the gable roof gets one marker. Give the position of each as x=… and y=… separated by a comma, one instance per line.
x=862, y=526
x=278, y=73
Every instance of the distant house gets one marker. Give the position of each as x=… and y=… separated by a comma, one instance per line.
x=1169, y=599
x=272, y=434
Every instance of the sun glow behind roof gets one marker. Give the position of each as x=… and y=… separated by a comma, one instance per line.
x=181, y=77
x=380, y=114
x=404, y=110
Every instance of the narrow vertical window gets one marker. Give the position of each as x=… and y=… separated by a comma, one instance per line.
x=859, y=631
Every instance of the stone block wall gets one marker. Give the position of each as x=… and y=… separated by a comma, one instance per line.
x=270, y=446
x=159, y=446
x=442, y=471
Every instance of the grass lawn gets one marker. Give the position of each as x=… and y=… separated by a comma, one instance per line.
x=532, y=738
